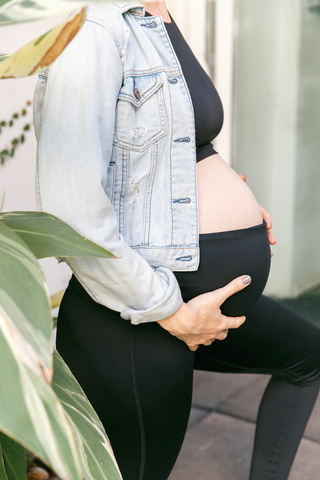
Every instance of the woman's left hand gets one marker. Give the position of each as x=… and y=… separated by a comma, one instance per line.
x=267, y=218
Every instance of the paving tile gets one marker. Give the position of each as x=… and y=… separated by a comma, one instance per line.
x=211, y=388
x=307, y=463
x=245, y=403
x=196, y=415
x=219, y=448
x=313, y=428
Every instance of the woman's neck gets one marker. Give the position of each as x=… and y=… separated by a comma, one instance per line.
x=158, y=8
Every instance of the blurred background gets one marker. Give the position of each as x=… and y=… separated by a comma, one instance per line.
x=264, y=59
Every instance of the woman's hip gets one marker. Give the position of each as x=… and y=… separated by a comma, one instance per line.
x=94, y=339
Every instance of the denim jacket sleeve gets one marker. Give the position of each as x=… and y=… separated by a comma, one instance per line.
x=75, y=129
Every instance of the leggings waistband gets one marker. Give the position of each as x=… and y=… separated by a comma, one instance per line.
x=232, y=233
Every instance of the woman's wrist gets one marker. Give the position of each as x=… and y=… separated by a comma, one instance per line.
x=177, y=320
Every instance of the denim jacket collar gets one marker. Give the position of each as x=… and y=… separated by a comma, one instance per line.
x=136, y=8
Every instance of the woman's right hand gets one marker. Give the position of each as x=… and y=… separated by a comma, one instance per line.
x=200, y=321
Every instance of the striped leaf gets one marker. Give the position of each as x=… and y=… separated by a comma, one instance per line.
x=15, y=458
x=31, y=414
x=41, y=52
x=47, y=236
x=68, y=438
x=3, y=473
x=24, y=304
x=95, y=454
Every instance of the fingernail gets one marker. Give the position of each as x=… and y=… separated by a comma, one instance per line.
x=246, y=280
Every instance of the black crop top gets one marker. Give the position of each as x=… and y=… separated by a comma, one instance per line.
x=207, y=105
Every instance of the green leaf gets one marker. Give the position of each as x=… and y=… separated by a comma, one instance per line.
x=95, y=453
x=38, y=55
x=31, y=414
x=39, y=39
x=48, y=236
x=15, y=458
x=3, y=474
x=22, y=287
x=6, y=4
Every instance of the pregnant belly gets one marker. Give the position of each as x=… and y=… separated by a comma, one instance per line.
x=225, y=201
x=233, y=239
x=225, y=256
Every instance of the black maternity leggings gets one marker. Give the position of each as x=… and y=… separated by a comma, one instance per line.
x=139, y=378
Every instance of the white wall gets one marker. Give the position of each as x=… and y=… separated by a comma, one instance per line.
x=276, y=93
x=191, y=22
x=306, y=267
x=224, y=61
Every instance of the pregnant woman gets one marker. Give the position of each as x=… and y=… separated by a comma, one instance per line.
x=125, y=120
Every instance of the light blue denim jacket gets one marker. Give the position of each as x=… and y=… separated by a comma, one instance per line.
x=117, y=159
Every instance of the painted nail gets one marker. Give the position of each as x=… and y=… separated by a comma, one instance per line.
x=246, y=280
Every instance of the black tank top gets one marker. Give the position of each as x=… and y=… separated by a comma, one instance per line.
x=208, y=110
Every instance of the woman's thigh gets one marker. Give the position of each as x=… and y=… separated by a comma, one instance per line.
x=138, y=379
x=273, y=340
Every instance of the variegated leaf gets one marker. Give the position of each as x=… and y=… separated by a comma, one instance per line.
x=24, y=304
x=48, y=236
x=15, y=458
x=95, y=453
x=3, y=473
x=31, y=414
x=41, y=52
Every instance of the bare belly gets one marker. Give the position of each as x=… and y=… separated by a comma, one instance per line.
x=225, y=201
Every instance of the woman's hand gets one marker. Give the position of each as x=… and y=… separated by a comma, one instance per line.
x=200, y=321
x=267, y=218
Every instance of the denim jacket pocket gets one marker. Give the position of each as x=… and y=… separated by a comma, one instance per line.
x=140, y=115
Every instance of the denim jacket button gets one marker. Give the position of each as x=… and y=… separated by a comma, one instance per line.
x=137, y=93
